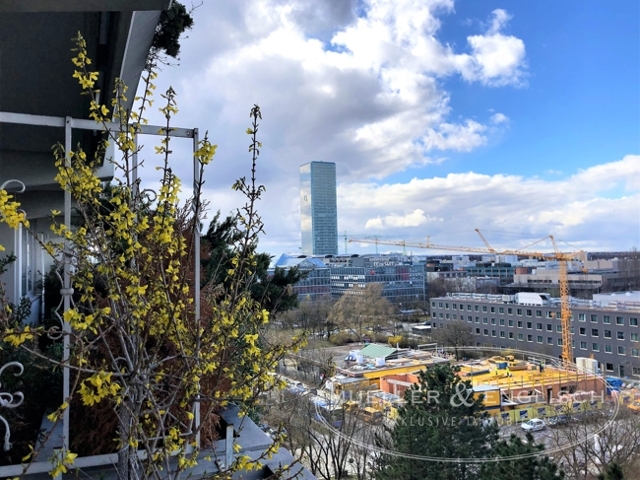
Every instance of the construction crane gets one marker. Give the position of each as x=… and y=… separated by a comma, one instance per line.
x=562, y=257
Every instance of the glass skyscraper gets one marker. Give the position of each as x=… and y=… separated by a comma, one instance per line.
x=318, y=208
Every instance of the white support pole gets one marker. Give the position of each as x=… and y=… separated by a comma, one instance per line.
x=134, y=168
x=66, y=292
x=196, y=269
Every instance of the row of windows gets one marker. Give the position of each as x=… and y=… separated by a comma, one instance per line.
x=634, y=337
x=582, y=317
x=621, y=350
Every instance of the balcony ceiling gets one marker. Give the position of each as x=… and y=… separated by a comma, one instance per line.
x=36, y=69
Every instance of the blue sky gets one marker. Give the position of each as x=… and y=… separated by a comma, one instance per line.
x=441, y=116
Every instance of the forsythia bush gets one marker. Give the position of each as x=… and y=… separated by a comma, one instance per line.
x=137, y=346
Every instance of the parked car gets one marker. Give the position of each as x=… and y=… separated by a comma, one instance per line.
x=534, y=425
x=559, y=420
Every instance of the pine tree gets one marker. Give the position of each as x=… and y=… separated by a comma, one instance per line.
x=440, y=425
x=531, y=467
x=612, y=472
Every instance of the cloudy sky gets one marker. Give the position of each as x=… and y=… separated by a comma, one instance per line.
x=518, y=118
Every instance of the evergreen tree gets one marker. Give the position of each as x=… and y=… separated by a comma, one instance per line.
x=538, y=467
x=274, y=292
x=612, y=472
x=441, y=419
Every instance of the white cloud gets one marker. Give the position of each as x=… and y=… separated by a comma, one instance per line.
x=412, y=219
x=496, y=59
x=576, y=209
x=335, y=85
x=498, y=118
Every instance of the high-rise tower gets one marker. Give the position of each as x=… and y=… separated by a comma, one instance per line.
x=318, y=208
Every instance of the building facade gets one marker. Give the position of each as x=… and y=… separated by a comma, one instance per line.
x=316, y=282
x=318, y=208
x=607, y=331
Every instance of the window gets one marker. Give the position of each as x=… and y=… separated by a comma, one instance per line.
x=519, y=323
x=461, y=307
x=510, y=311
x=529, y=338
x=539, y=313
x=529, y=325
x=550, y=340
x=583, y=345
x=468, y=308
x=477, y=308
x=633, y=337
x=595, y=347
x=608, y=349
x=485, y=332
x=454, y=316
x=440, y=304
x=502, y=322
x=607, y=334
x=622, y=350
x=440, y=315
x=559, y=328
x=633, y=322
x=433, y=304
x=500, y=309
x=583, y=331
x=511, y=335
x=608, y=367
x=529, y=313
x=446, y=305
x=493, y=333
x=539, y=339
x=502, y=335
x=493, y=309
x=550, y=315
x=559, y=342
x=620, y=335
x=454, y=306
x=519, y=311
x=469, y=318
x=477, y=319
x=478, y=331
x=594, y=332
x=619, y=320
x=446, y=316
x=594, y=318
x=484, y=308
x=635, y=352
x=606, y=319
x=485, y=320
x=520, y=336
x=582, y=317
x=493, y=321
x=511, y=323
x=538, y=326
x=549, y=327
x=636, y=370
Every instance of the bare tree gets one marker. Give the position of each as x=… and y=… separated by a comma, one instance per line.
x=358, y=308
x=456, y=334
x=332, y=447
x=617, y=440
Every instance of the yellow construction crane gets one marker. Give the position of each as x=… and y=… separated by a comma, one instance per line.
x=562, y=257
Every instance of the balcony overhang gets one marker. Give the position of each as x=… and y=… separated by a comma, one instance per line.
x=35, y=6
x=36, y=69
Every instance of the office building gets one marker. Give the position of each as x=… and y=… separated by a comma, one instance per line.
x=605, y=328
x=318, y=208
